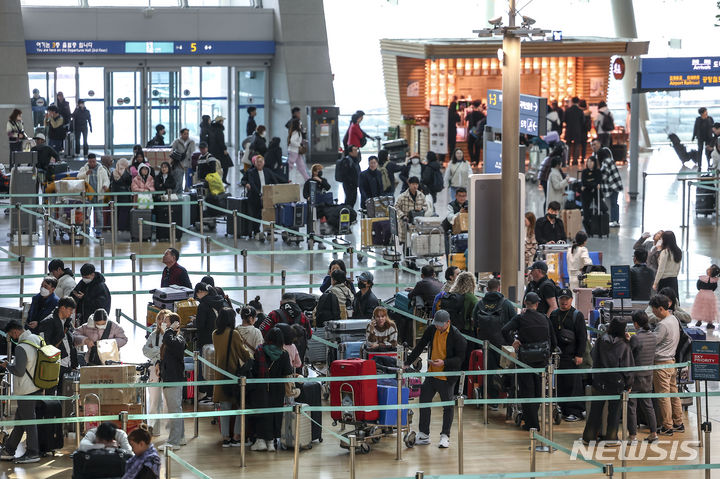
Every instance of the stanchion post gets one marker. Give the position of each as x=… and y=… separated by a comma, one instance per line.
x=486, y=406
x=72, y=244
x=350, y=251
x=46, y=232
x=551, y=411
x=420, y=475
x=283, y=277
x=459, y=403
x=533, y=452
x=19, y=228
x=543, y=405
x=698, y=407
x=243, y=388
x=207, y=248
x=353, y=445
x=196, y=369
x=396, y=268
x=398, y=453
x=21, y=259
x=235, y=237
x=78, y=431
x=244, y=255
x=296, y=459
x=134, y=285
x=123, y=420
x=609, y=469
x=311, y=245
x=623, y=432
x=202, y=223
x=642, y=221
x=113, y=227
x=140, y=237
x=707, y=429
x=167, y=463
x=173, y=239
x=101, y=241
x=272, y=250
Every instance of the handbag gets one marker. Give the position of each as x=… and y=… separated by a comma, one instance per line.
x=176, y=157
x=107, y=350
x=244, y=370
x=412, y=214
x=93, y=356
x=534, y=353
x=144, y=201
x=302, y=149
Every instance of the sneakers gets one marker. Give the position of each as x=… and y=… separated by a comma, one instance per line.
x=665, y=431
x=444, y=441
x=614, y=224
x=571, y=418
x=227, y=442
x=710, y=326
x=235, y=443
x=679, y=428
x=422, y=439
x=6, y=455
x=651, y=439
x=698, y=324
x=271, y=446
x=260, y=445
x=27, y=459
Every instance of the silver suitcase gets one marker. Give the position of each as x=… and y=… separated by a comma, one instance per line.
x=287, y=431
x=317, y=351
x=427, y=245
x=344, y=330
x=208, y=352
x=429, y=224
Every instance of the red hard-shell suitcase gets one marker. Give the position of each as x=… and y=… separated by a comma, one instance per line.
x=354, y=392
x=476, y=364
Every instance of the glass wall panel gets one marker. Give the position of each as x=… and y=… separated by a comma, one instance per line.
x=215, y=95
x=251, y=92
x=65, y=81
x=91, y=88
x=190, y=100
x=44, y=82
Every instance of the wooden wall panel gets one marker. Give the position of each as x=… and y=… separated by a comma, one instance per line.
x=411, y=70
x=392, y=88
x=589, y=68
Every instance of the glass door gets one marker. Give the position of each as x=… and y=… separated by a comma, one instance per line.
x=91, y=89
x=44, y=83
x=251, y=93
x=123, y=123
x=163, y=103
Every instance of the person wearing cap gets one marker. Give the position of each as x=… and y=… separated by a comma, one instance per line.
x=94, y=330
x=91, y=293
x=25, y=359
x=46, y=154
x=159, y=138
x=569, y=328
x=80, y=122
x=206, y=162
x=530, y=330
x=39, y=105
x=550, y=229
x=365, y=300
x=182, y=148
x=543, y=286
x=97, y=177
x=216, y=145
x=56, y=128
x=446, y=352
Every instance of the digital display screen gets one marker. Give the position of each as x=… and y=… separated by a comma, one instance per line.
x=112, y=47
x=680, y=73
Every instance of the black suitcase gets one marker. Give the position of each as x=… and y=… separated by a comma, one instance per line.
x=194, y=208
x=705, y=199
x=599, y=221
x=135, y=215
x=99, y=463
x=619, y=152
x=242, y=206
x=311, y=394
x=50, y=436
x=161, y=216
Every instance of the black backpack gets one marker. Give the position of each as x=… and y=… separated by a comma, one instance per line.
x=684, y=347
x=488, y=324
x=608, y=123
x=328, y=309
x=454, y=304
x=99, y=463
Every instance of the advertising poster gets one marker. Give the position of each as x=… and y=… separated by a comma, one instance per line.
x=439, y=129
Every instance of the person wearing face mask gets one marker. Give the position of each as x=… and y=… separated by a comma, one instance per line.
x=321, y=183
x=98, y=327
x=151, y=350
x=550, y=229
x=172, y=370
x=42, y=304
x=414, y=168
x=57, y=330
x=365, y=300
x=91, y=293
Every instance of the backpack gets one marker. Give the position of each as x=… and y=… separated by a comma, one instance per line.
x=684, y=346
x=341, y=166
x=608, y=123
x=537, y=289
x=438, y=183
x=488, y=325
x=100, y=463
x=454, y=304
x=327, y=309
x=47, y=366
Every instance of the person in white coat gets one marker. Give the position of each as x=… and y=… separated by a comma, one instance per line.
x=295, y=142
x=556, y=183
x=151, y=350
x=97, y=177
x=577, y=258
x=457, y=173
x=65, y=277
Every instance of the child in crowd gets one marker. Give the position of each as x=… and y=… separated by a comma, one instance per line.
x=145, y=464
x=705, y=307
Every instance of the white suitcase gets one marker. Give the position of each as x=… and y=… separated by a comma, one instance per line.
x=287, y=431
x=427, y=245
x=429, y=224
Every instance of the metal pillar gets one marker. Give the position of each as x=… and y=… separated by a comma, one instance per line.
x=196, y=369
x=272, y=250
x=235, y=237
x=296, y=459
x=533, y=452
x=551, y=413
x=21, y=259
x=398, y=453
x=486, y=351
x=78, y=429
x=698, y=407
x=244, y=255
x=311, y=245
x=134, y=285
x=353, y=444
x=543, y=408
x=396, y=269
x=243, y=387
x=113, y=227
x=167, y=463
x=510, y=199
x=124, y=420
x=283, y=276
x=707, y=429
x=623, y=433
x=20, y=229
x=173, y=238
x=102, y=255
x=46, y=230
x=202, y=224
x=459, y=403
x=207, y=248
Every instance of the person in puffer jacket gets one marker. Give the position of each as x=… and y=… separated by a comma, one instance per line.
x=91, y=332
x=64, y=276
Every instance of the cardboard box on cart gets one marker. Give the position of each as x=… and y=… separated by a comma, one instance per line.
x=113, y=374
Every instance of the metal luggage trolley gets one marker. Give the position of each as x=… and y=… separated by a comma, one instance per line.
x=425, y=243
x=371, y=432
x=319, y=225
x=74, y=214
x=389, y=247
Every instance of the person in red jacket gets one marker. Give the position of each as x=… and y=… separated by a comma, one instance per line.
x=355, y=135
x=289, y=313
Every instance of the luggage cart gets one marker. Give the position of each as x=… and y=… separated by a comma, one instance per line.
x=424, y=244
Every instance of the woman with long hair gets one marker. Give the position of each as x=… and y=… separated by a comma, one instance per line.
x=530, y=241
x=668, y=264
x=151, y=350
x=465, y=285
x=381, y=332
x=577, y=258
x=457, y=173
x=230, y=353
x=295, y=142
x=15, y=132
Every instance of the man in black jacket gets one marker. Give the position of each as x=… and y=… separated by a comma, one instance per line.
x=569, y=328
x=45, y=153
x=543, y=286
x=57, y=330
x=365, y=300
x=534, y=332
x=575, y=134
x=370, y=182
x=81, y=121
x=426, y=289
x=351, y=175
x=91, y=293
x=446, y=352
x=253, y=181
x=550, y=229
x=703, y=131
x=641, y=277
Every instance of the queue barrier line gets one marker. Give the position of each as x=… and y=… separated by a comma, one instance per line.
x=567, y=451
x=8, y=252
x=324, y=341
x=511, y=475
x=197, y=472
x=651, y=367
x=37, y=398
x=342, y=438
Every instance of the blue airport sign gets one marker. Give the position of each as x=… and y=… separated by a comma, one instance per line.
x=113, y=47
x=705, y=361
x=679, y=73
x=533, y=110
x=620, y=280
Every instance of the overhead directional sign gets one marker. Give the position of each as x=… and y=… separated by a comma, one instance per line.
x=119, y=47
x=679, y=73
x=533, y=110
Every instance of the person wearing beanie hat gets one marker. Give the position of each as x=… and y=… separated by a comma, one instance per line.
x=365, y=300
x=91, y=294
x=446, y=352
x=531, y=334
x=206, y=162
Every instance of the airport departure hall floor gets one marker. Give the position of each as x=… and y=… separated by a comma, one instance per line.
x=499, y=447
